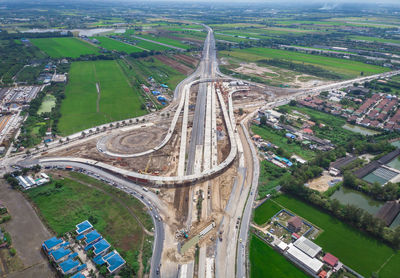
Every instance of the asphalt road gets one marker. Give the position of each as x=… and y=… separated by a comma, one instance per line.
x=148, y=198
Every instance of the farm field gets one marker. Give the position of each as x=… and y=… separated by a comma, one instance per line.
x=167, y=41
x=81, y=108
x=342, y=67
x=111, y=44
x=64, y=47
x=373, y=39
x=151, y=46
x=266, y=262
x=75, y=198
x=265, y=211
x=343, y=241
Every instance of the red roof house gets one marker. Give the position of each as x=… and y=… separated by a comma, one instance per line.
x=294, y=224
x=330, y=259
x=308, y=131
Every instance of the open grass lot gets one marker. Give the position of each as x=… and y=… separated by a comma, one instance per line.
x=265, y=211
x=167, y=41
x=157, y=69
x=333, y=129
x=266, y=262
x=273, y=136
x=373, y=39
x=111, y=44
x=118, y=100
x=151, y=46
x=342, y=67
x=81, y=197
x=355, y=249
x=64, y=47
x=48, y=103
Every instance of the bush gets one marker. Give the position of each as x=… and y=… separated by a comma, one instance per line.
x=13, y=252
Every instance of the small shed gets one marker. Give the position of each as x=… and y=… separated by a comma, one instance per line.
x=330, y=259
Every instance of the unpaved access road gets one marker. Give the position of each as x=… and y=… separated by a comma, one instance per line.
x=27, y=234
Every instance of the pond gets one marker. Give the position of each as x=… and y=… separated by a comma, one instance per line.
x=81, y=32
x=395, y=163
x=396, y=143
x=349, y=196
x=360, y=129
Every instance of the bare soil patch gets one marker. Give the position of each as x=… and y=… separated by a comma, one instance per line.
x=174, y=64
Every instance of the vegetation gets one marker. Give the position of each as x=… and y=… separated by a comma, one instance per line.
x=266, y=262
x=112, y=44
x=278, y=138
x=265, y=211
x=341, y=67
x=344, y=241
x=64, y=47
x=83, y=107
x=114, y=214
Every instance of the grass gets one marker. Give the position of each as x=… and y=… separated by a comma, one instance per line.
x=275, y=137
x=266, y=262
x=354, y=248
x=64, y=47
x=373, y=39
x=62, y=208
x=164, y=40
x=151, y=46
x=265, y=211
x=111, y=44
x=343, y=67
x=333, y=129
x=48, y=103
x=118, y=100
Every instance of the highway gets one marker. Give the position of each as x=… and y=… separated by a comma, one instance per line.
x=242, y=198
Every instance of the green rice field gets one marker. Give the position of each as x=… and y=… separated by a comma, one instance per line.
x=117, y=99
x=266, y=262
x=354, y=248
x=343, y=67
x=164, y=40
x=64, y=47
x=111, y=44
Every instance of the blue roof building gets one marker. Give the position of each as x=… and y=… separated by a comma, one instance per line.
x=289, y=135
x=114, y=261
x=69, y=266
x=78, y=275
x=101, y=247
x=52, y=243
x=83, y=227
x=92, y=237
x=59, y=254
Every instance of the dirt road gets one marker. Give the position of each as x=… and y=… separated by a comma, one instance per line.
x=27, y=233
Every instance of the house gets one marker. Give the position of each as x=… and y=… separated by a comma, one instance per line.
x=309, y=264
x=307, y=246
x=322, y=274
x=330, y=259
x=291, y=136
x=294, y=224
x=52, y=243
x=308, y=131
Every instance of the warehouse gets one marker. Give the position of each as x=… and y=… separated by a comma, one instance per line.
x=307, y=246
x=309, y=264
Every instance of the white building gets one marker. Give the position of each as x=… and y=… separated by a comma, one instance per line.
x=312, y=265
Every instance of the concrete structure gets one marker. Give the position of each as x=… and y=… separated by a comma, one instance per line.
x=307, y=246
x=310, y=264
